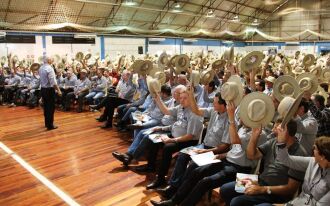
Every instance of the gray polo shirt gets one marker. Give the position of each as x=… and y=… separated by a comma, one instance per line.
x=217, y=129
x=186, y=122
x=306, y=131
x=82, y=84
x=47, y=76
x=70, y=82
x=275, y=172
x=237, y=154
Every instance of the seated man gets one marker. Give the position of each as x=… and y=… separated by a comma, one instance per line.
x=30, y=94
x=216, y=140
x=12, y=82
x=277, y=183
x=80, y=90
x=136, y=150
x=25, y=81
x=198, y=180
x=69, y=84
x=98, y=87
x=125, y=91
x=185, y=132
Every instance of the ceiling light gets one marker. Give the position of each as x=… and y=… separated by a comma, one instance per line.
x=177, y=5
x=130, y=3
x=255, y=22
x=210, y=14
x=236, y=18
x=2, y=33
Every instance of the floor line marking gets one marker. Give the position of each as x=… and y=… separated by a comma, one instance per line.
x=65, y=197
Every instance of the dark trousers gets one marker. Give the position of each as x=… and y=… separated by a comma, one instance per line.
x=200, y=180
x=70, y=96
x=64, y=93
x=168, y=150
x=48, y=97
x=111, y=103
x=233, y=198
x=9, y=94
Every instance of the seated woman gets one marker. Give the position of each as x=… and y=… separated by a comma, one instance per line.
x=316, y=185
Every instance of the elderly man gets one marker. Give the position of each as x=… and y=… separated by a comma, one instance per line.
x=80, y=90
x=98, y=88
x=48, y=86
x=12, y=82
x=69, y=84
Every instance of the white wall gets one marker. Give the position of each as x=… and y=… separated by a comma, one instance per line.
x=115, y=46
x=158, y=49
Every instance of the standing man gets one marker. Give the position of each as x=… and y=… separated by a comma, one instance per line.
x=48, y=86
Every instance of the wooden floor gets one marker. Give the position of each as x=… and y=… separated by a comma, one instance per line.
x=76, y=158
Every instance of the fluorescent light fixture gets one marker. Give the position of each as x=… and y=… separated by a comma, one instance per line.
x=292, y=43
x=190, y=40
x=177, y=5
x=236, y=18
x=250, y=30
x=177, y=8
x=2, y=33
x=157, y=39
x=84, y=36
x=130, y=3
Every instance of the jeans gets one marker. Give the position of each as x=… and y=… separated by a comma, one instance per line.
x=204, y=178
x=138, y=146
x=233, y=198
x=146, y=125
x=180, y=167
x=94, y=95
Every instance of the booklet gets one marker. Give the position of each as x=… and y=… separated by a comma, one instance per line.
x=189, y=150
x=156, y=138
x=148, y=131
x=138, y=116
x=244, y=180
x=204, y=158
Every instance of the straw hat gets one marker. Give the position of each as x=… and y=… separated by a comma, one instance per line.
x=171, y=63
x=207, y=76
x=325, y=75
x=232, y=90
x=218, y=64
x=153, y=85
x=163, y=60
x=83, y=71
x=158, y=73
x=256, y=109
x=287, y=69
x=182, y=62
x=296, y=54
x=288, y=108
x=142, y=67
x=194, y=77
x=307, y=82
x=251, y=60
x=308, y=60
x=35, y=67
x=316, y=70
x=270, y=79
x=228, y=55
x=15, y=59
x=88, y=56
x=285, y=86
x=79, y=56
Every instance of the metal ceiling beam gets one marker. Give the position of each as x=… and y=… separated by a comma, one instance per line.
x=176, y=14
x=203, y=10
x=112, y=13
x=248, y=6
x=50, y=9
x=7, y=11
x=161, y=15
x=27, y=19
x=129, y=21
x=81, y=9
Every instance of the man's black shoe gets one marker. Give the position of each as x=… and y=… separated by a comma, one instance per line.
x=52, y=128
x=145, y=168
x=124, y=158
x=159, y=181
x=167, y=192
x=162, y=203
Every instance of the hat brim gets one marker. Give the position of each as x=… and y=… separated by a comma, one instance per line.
x=323, y=78
x=243, y=110
x=181, y=68
x=153, y=85
x=245, y=66
x=207, y=76
x=280, y=81
x=308, y=60
x=292, y=110
x=163, y=60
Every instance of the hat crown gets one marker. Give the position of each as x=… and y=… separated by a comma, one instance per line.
x=305, y=83
x=285, y=105
x=229, y=91
x=286, y=89
x=257, y=110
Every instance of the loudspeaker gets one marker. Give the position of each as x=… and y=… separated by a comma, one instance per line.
x=140, y=49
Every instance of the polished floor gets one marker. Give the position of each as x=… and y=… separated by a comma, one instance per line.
x=76, y=158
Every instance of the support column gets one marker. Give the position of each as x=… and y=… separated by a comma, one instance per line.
x=102, y=47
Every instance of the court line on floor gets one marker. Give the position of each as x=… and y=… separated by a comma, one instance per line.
x=65, y=197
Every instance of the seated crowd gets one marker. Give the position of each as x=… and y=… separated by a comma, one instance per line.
x=243, y=117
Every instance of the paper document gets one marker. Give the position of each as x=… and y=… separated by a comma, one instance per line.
x=244, y=180
x=189, y=150
x=156, y=138
x=204, y=158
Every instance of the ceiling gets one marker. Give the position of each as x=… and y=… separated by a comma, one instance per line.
x=151, y=17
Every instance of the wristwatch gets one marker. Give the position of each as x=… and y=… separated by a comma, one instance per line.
x=269, y=191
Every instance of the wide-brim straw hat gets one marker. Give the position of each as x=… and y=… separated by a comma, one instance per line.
x=325, y=75
x=194, y=77
x=163, y=60
x=287, y=69
x=182, y=63
x=79, y=56
x=153, y=85
x=256, y=109
x=296, y=54
x=308, y=60
x=88, y=56
x=207, y=76
x=307, y=82
x=35, y=67
x=158, y=73
x=171, y=62
x=316, y=70
x=288, y=108
x=228, y=55
x=251, y=61
x=218, y=64
x=142, y=67
x=285, y=85
x=232, y=90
